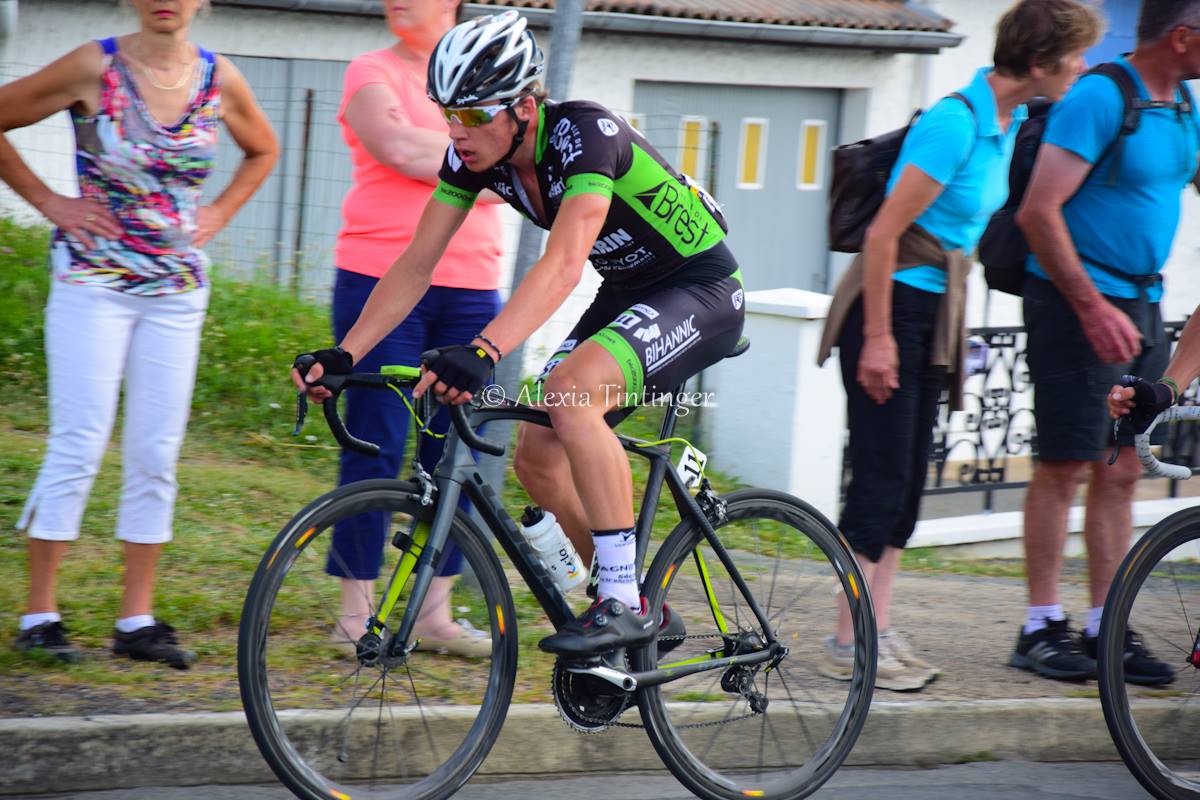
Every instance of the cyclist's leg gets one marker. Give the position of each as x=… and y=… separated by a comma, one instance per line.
x=649, y=349
x=540, y=461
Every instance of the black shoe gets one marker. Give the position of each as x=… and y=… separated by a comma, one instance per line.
x=49, y=638
x=1053, y=652
x=605, y=626
x=671, y=631
x=1141, y=667
x=155, y=642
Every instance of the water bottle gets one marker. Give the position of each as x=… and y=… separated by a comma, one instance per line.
x=553, y=548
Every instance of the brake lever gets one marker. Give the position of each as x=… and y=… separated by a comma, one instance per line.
x=301, y=410
x=1116, y=440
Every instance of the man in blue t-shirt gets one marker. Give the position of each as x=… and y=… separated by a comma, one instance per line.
x=1100, y=214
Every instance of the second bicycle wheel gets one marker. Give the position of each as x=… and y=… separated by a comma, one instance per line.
x=335, y=724
x=1156, y=595
x=770, y=730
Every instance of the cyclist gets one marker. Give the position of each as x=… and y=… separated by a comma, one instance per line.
x=670, y=303
x=1141, y=400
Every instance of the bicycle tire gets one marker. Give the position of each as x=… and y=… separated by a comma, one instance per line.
x=303, y=775
x=817, y=537
x=1136, y=751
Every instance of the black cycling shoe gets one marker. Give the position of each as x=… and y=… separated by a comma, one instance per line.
x=155, y=642
x=607, y=625
x=49, y=638
x=1053, y=652
x=671, y=631
x=1141, y=667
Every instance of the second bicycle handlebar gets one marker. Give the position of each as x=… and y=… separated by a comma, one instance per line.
x=1141, y=443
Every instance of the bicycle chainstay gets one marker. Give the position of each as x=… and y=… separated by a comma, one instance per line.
x=616, y=724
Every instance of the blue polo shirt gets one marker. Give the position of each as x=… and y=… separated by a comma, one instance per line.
x=968, y=154
x=1129, y=225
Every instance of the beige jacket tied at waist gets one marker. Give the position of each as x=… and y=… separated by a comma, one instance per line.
x=917, y=247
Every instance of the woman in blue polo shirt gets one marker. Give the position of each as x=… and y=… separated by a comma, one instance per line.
x=952, y=174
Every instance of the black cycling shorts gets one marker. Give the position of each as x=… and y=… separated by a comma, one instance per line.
x=665, y=333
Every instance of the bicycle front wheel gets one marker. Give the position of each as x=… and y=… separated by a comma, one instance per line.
x=333, y=723
x=1156, y=594
x=776, y=729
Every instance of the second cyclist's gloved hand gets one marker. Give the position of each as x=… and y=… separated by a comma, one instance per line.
x=463, y=367
x=1149, y=400
x=334, y=361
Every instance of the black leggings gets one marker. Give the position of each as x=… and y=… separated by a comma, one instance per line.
x=889, y=443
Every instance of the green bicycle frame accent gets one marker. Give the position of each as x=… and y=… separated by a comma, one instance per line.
x=420, y=536
x=401, y=371
x=718, y=617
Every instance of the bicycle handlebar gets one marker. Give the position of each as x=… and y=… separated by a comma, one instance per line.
x=404, y=378
x=1141, y=443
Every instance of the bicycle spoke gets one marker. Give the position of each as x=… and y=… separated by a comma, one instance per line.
x=378, y=728
x=717, y=729
x=1182, y=607
x=421, y=710
x=401, y=755
x=774, y=578
x=796, y=711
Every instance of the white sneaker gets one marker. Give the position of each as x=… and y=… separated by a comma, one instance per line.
x=898, y=646
x=890, y=673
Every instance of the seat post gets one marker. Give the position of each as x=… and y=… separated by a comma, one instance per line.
x=668, y=425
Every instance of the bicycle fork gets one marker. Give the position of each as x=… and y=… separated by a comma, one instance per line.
x=423, y=547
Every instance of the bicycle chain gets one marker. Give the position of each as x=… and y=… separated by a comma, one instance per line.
x=615, y=724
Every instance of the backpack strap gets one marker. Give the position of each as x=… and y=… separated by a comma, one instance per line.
x=1131, y=116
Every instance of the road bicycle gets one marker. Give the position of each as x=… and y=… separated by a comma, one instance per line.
x=733, y=704
x=1156, y=595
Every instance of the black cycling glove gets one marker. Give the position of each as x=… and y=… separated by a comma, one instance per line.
x=1149, y=400
x=463, y=367
x=335, y=360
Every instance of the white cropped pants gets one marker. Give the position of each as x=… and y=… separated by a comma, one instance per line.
x=95, y=337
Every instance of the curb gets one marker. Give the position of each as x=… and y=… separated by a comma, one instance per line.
x=61, y=754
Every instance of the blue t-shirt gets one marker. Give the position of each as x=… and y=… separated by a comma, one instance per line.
x=1129, y=225
x=968, y=154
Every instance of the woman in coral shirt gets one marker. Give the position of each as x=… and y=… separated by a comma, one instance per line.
x=397, y=139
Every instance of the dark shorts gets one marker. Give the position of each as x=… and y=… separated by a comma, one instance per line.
x=1071, y=383
x=663, y=334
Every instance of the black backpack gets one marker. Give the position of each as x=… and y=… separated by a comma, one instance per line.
x=1003, y=250
x=860, y=175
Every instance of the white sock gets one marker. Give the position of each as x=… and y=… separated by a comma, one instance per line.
x=1093, y=623
x=1038, y=615
x=134, y=623
x=33, y=620
x=616, y=550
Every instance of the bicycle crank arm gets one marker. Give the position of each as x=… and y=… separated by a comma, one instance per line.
x=630, y=681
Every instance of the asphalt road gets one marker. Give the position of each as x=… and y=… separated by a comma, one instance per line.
x=1005, y=780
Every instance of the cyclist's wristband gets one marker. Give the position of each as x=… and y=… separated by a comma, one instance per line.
x=1170, y=384
x=491, y=344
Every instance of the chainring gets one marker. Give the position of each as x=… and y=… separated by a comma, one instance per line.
x=587, y=703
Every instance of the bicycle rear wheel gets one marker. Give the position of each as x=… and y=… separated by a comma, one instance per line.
x=333, y=725
x=1157, y=594
x=774, y=731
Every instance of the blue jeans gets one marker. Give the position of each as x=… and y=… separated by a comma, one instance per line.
x=444, y=316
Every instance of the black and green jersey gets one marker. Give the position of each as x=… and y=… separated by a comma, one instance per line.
x=658, y=218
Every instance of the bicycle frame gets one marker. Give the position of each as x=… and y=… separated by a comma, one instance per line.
x=457, y=472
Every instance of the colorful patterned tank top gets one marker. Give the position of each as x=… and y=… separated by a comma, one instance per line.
x=150, y=176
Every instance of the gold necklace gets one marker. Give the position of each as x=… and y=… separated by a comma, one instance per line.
x=183, y=76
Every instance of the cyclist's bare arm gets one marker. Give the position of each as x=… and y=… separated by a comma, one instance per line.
x=555, y=274
x=399, y=290
x=1183, y=369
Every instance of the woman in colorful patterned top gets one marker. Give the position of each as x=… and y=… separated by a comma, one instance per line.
x=129, y=289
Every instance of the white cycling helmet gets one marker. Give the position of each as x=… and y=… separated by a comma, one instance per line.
x=484, y=60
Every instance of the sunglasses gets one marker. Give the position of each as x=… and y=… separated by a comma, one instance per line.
x=473, y=117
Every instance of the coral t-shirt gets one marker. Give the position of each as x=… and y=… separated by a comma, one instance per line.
x=380, y=212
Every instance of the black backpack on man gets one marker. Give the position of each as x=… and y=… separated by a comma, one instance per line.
x=1003, y=250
